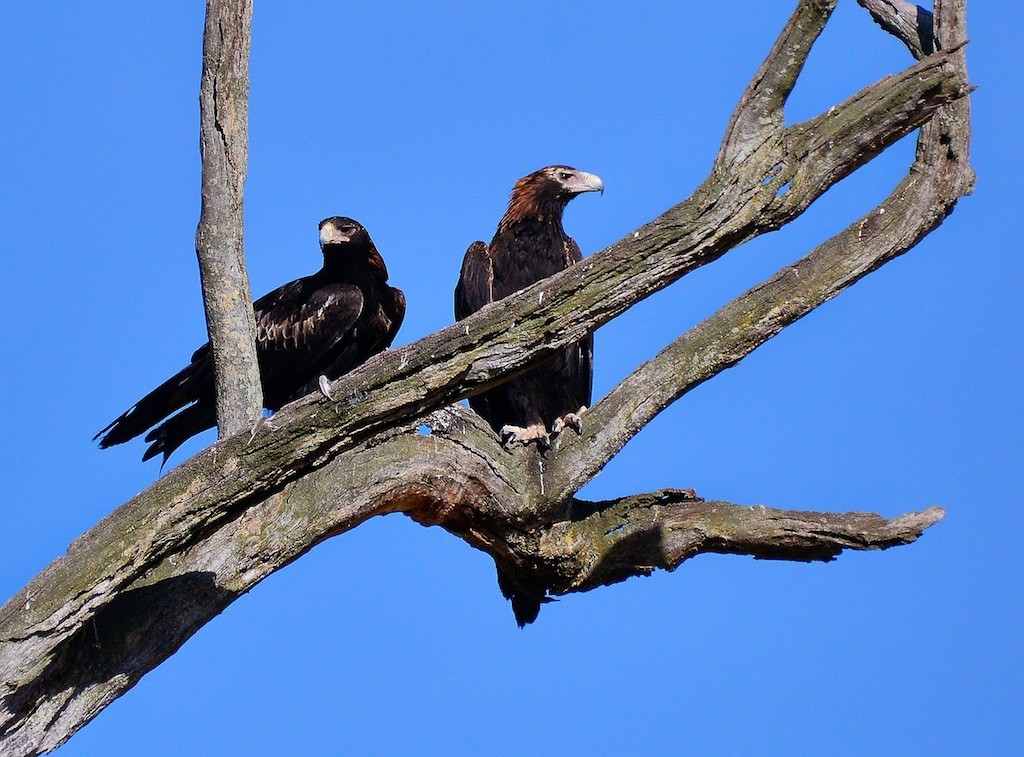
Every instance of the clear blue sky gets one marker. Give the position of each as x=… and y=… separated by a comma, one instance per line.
x=902, y=393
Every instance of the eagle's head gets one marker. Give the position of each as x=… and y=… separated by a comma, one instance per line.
x=546, y=192
x=338, y=230
x=560, y=183
x=345, y=243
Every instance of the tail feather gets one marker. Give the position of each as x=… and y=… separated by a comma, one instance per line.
x=184, y=387
x=177, y=429
x=525, y=603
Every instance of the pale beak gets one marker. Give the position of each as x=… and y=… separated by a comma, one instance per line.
x=330, y=235
x=587, y=182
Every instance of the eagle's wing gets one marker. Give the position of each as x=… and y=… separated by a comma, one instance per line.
x=300, y=315
x=301, y=329
x=373, y=332
x=474, y=290
x=390, y=314
x=476, y=282
x=579, y=361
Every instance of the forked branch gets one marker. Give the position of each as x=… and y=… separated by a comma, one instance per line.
x=456, y=477
x=759, y=116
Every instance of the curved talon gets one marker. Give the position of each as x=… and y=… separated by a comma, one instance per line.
x=569, y=420
x=535, y=434
x=325, y=387
x=261, y=423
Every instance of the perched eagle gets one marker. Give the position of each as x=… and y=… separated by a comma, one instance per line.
x=318, y=326
x=529, y=245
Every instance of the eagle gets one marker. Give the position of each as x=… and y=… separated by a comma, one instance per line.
x=530, y=244
x=311, y=329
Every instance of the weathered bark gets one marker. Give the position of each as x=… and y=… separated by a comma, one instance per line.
x=224, y=148
x=909, y=23
x=455, y=477
x=137, y=585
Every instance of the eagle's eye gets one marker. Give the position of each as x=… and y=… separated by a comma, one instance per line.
x=565, y=176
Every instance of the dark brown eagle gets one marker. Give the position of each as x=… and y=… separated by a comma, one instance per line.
x=322, y=325
x=529, y=245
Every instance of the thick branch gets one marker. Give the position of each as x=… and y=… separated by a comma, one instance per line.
x=637, y=534
x=140, y=626
x=224, y=145
x=937, y=179
x=458, y=477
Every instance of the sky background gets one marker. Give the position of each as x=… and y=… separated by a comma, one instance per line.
x=416, y=119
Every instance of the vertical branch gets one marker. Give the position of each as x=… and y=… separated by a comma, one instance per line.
x=946, y=139
x=223, y=146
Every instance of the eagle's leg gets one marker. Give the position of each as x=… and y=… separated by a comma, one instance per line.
x=535, y=434
x=570, y=420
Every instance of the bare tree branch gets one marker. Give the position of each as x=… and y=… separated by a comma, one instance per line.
x=138, y=584
x=909, y=23
x=759, y=116
x=457, y=478
x=637, y=534
x=916, y=207
x=224, y=147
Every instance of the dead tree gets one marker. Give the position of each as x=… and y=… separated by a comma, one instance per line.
x=132, y=589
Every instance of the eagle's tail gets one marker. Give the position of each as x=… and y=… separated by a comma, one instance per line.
x=525, y=602
x=184, y=387
x=173, y=432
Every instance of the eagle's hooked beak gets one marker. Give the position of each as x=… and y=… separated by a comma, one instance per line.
x=330, y=234
x=587, y=182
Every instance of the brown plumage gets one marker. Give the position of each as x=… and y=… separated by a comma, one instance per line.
x=320, y=325
x=530, y=244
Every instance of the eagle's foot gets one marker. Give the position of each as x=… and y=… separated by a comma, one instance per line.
x=325, y=387
x=569, y=420
x=535, y=434
x=263, y=422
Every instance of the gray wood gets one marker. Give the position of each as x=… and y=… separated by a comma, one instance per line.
x=224, y=148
